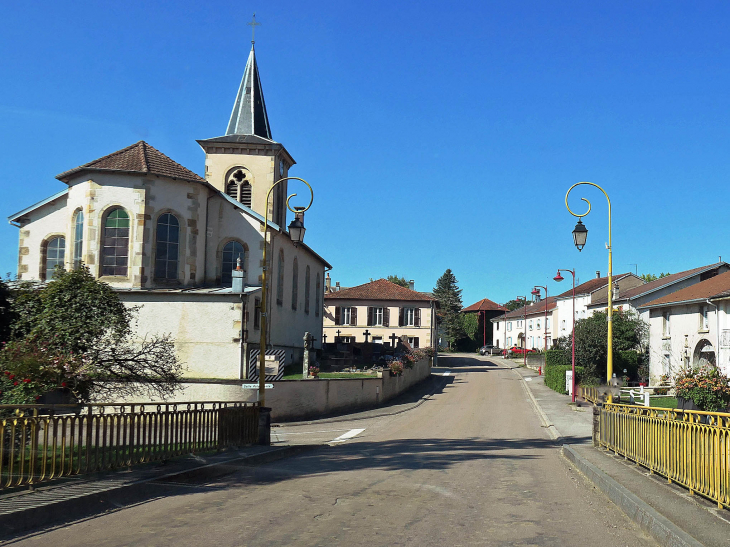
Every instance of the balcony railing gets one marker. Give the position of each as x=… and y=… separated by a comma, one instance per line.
x=45, y=442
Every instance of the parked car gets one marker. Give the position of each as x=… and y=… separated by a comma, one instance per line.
x=518, y=351
x=487, y=350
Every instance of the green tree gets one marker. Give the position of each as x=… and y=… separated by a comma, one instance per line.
x=402, y=281
x=448, y=294
x=470, y=324
x=6, y=314
x=75, y=335
x=653, y=277
x=512, y=305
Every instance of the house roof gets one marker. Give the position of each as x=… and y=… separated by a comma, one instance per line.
x=657, y=284
x=484, y=305
x=533, y=309
x=380, y=289
x=591, y=285
x=19, y=214
x=139, y=158
x=715, y=287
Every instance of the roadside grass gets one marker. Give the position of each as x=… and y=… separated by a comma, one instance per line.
x=663, y=402
x=348, y=375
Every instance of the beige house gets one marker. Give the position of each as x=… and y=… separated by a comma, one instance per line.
x=168, y=240
x=380, y=312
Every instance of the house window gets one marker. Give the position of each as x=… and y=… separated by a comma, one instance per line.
x=666, y=320
x=409, y=317
x=413, y=341
x=547, y=323
x=115, y=246
x=665, y=364
x=538, y=325
x=55, y=252
x=306, y=290
x=232, y=251
x=316, y=297
x=562, y=325
x=257, y=313
x=280, y=280
x=530, y=324
x=78, y=239
x=509, y=342
x=509, y=326
x=497, y=325
x=346, y=316
x=377, y=340
x=378, y=317
x=166, y=252
x=346, y=339
x=704, y=322
x=295, y=284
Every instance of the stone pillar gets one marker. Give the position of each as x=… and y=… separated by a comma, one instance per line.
x=597, y=425
x=305, y=360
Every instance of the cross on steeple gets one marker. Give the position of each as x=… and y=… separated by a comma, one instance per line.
x=253, y=24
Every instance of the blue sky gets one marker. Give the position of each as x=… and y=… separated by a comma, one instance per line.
x=435, y=136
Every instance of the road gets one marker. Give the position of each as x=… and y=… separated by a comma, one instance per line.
x=470, y=466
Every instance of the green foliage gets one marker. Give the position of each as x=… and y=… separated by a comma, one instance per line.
x=557, y=357
x=6, y=314
x=706, y=386
x=470, y=324
x=555, y=376
x=512, y=305
x=402, y=281
x=629, y=360
x=448, y=294
x=653, y=277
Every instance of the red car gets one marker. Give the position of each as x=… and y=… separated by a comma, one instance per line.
x=518, y=351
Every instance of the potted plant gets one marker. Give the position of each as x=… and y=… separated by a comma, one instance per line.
x=704, y=388
x=396, y=368
x=314, y=371
x=664, y=384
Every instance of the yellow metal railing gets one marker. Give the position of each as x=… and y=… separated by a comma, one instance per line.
x=45, y=442
x=591, y=394
x=688, y=447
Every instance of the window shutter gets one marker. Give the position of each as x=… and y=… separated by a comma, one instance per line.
x=353, y=316
x=338, y=315
x=417, y=319
x=400, y=317
x=386, y=317
x=415, y=342
x=370, y=316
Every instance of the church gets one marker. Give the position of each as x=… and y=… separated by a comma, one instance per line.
x=174, y=244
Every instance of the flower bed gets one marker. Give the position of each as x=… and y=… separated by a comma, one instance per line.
x=706, y=387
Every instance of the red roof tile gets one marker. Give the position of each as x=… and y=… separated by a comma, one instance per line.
x=590, y=286
x=484, y=305
x=717, y=286
x=533, y=309
x=381, y=289
x=138, y=158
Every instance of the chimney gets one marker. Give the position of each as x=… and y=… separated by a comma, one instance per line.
x=327, y=283
x=598, y=274
x=337, y=286
x=411, y=284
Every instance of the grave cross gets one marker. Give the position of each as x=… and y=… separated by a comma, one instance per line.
x=366, y=334
x=393, y=339
x=324, y=338
x=338, y=335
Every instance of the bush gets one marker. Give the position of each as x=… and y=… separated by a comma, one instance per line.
x=628, y=360
x=707, y=387
x=555, y=377
x=557, y=357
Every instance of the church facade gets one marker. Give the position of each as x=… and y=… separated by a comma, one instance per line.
x=169, y=241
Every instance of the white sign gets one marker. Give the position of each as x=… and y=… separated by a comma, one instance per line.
x=256, y=386
x=569, y=382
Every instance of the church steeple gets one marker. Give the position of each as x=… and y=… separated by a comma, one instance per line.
x=249, y=111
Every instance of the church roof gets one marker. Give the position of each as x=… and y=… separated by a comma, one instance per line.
x=380, y=289
x=249, y=110
x=139, y=158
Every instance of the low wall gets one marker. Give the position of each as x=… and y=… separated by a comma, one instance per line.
x=303, y=399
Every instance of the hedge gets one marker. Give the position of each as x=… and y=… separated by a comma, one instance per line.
x=555, y=376
x=558, y=357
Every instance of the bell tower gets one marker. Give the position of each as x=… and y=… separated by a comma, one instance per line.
x=246, y=161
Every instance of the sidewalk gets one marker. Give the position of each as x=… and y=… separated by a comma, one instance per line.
x=666, y=511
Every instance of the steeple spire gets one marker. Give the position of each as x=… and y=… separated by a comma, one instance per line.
x=249, y=111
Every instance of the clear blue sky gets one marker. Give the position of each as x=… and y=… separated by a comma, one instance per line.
x=435, y=135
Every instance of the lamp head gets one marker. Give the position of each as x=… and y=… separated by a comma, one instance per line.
x=297, y=229
x=558, y=277
x=580, y=234
x=536, y=291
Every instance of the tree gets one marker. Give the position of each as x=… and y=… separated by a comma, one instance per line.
x=6, y=314
x=653, y=277
x=470, y=324
x=402, y=281
x=75, y=335
x=448, y=294
x=512, y=305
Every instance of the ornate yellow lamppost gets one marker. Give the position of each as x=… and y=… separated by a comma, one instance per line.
x=296, y=233
x=580, y=234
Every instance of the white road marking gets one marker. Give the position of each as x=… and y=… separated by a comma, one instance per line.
x=528, y=379
x=447, y=373
x=309, y=432
x=349, y=435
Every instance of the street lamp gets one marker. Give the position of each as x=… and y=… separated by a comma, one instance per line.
x=559, y=278
x=536, y=292
x=580, y=234
x=524, y=327
x=296, y=233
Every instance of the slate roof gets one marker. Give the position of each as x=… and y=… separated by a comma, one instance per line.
x=657, y=284
x=590, y=286
x=249, y=109
x=533, y=309
x=715, y=287
x=380, y=289
x=139, y=158
x=484, y=305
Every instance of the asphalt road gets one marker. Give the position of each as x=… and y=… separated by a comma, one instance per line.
x=470, y=466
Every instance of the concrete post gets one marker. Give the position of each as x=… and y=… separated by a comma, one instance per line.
x=305, y=360
x=597, y=425
x=265, y=426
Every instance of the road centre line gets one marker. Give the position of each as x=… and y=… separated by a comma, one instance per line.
x=349, y=435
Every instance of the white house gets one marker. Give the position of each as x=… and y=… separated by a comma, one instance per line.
x=168, y=240
x=690, y=327
x=525, y=327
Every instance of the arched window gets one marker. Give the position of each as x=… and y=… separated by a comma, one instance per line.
x=167, y=248
x=238, y=185
x=246, y=194
x=306, y=290
x=55, y=252
x=295, y=285
x=115, y=244
x=232, y=189
x=280, y=280
x=316, y=297
x=231, y=252
x=78, y=239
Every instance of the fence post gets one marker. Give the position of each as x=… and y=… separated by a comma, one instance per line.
x=597, y=424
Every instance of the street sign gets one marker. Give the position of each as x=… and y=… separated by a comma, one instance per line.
x=256, y=386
